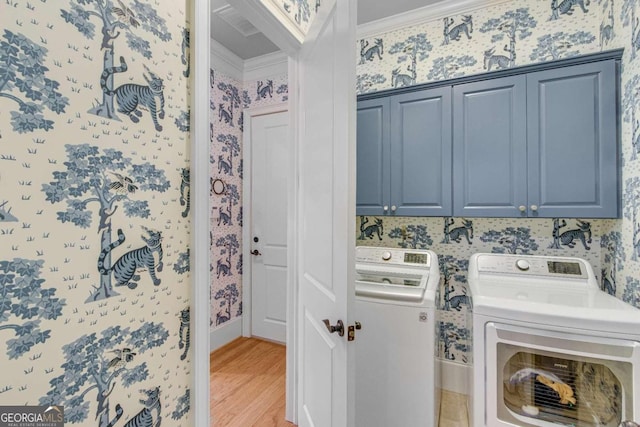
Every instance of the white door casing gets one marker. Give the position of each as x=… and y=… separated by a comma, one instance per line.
x=200, y=280
x=326, y=216
x=266, y=153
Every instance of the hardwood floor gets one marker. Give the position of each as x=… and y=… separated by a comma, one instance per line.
x=247, y=380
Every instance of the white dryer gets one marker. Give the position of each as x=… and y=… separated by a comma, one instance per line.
x=549, y=347
x=396, y=376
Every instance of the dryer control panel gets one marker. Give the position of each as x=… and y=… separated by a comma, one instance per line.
x=532, y=265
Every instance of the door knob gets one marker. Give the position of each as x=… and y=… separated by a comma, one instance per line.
x=385, y=208
x=255, y=252
x=339, y=327
x=534, y=208
x=522, y=208
x=393, y=208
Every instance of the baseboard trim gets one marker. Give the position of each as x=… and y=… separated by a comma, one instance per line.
x=454, y=376
x=226, y=333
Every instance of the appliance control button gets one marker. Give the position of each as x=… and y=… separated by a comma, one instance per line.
x=522, y=264
x=386, y=256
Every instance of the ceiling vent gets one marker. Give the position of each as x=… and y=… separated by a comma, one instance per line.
x=237, y=21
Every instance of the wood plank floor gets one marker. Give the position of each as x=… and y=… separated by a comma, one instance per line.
x=247, y=380
x=248, y=387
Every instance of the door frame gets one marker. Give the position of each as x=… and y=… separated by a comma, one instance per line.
x=199, y=18
x=247, y=210
x=290, y=41
x=255, y=11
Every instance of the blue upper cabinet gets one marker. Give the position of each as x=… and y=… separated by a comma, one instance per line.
x=572, y=141
x=373, y=166
x=490, y=147
x=404, y=154
x=539, y=141
x=541, y=144
x=421, y=153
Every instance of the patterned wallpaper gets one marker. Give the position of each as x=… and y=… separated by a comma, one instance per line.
x=228, y=99
x=509, y=34
x=300, y=12
x=94, y=204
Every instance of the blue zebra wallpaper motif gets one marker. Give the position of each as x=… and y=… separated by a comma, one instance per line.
x=229, y=98
x=94, y=209
x=505, y=35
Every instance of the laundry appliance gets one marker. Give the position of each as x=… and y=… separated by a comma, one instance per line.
x=549, y=347
x=397, y=383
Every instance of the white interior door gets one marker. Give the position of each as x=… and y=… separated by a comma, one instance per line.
x=269, y=173
x=326, y=216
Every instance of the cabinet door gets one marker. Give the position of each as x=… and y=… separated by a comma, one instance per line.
x=421, y=153
x=372, y=175
x=572, y=141
x=489, y=148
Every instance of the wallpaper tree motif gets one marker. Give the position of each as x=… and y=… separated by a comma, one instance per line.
x=631, y=103
x=559, y=45
x=108, y=179
x=613, y=260
x=98, y=364
x=628, y=18
x=23, y=303
x=413, y=49
x=24, y=80
x=512, y=25
x=511, y=240
x=413, y=236
x=450, y=67
x=453, y=272
x=631, y=198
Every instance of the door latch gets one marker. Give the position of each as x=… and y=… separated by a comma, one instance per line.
x=351, y=331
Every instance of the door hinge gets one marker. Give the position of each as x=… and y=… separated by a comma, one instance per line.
x=351, y=331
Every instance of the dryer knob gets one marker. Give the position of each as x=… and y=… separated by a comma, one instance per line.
x=522, y=264
x=386, y=256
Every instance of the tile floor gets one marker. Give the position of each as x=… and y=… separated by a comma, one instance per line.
x=453, y=410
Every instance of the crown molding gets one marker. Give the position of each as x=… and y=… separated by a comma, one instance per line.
x=226, y=62
x=422, y=15
x=268, y=65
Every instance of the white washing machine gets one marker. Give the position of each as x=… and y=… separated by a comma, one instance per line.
x=549, y=347
x=397, y=383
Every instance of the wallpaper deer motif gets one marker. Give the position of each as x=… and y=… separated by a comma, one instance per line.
x=94, y=143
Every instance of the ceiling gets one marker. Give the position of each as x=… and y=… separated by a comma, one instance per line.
x=238, y=35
